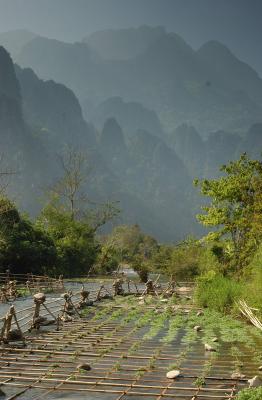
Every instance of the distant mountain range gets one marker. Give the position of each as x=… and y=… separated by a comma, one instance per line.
x=150, y=112
x=209, y=88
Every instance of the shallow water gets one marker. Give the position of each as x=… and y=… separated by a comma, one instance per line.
x=117, y=372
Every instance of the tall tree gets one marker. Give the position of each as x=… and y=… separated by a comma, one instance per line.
x=70, y=191
x=71, y=219
x=235, y=208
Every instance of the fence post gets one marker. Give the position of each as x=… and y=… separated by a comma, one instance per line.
x=8, y=334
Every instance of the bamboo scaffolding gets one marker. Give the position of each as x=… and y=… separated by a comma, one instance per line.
x=49, y=362
x=133, y=385
x=10, y=284
x=125, y=393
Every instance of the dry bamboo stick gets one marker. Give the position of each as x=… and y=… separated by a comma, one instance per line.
x=247, y=312
x=96, y=390
x=136, y=386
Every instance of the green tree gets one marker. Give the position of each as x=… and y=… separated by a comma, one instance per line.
x=23, y=246
x=71, y=219
x=182, y=261
x=108, y=259
x=134, y=247
x=235, y=210
x=75, y=241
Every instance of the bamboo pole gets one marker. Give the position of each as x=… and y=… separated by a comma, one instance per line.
x=248, y=313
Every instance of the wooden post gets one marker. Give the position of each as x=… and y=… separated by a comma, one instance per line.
x=98, y=296
x=7, y=333
x=39, y=299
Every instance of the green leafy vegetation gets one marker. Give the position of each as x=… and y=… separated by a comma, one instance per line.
x=63, y=238
x=23, y=246
x=217, y=292
x=128, y=244
x=185, y=260
x=250, y=394
x=234, y=211
x=234, y=214
x=74, y=241
x=200, y=381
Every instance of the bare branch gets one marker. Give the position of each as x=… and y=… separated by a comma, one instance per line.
x=6, y=174
x=103, y=213
x=69, y=188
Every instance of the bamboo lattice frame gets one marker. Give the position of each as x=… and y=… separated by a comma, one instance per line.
x=48, y=364
x=30, y=282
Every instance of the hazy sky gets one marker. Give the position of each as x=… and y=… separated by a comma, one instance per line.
x=237, y=23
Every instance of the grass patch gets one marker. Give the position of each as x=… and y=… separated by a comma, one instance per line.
x=250, y=394
x=175, y=324
x=217, y=292
x=157, y=323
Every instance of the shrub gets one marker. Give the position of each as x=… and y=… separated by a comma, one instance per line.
x=180, y=261
x=24, y=247
x=250, y=394
x=188, y=259
x=74, y=240
x=217, y=292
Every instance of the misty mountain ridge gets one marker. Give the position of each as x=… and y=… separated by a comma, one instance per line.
x=54, y=110
x=203, y=157
x=15, y=40
x=123, y=44
x=209, y=88
x=131, y=116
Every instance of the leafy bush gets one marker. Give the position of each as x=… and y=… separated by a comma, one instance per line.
x=23, y=246
x=107, y=261
x=186, y=260
x=133, y=247
x=180, y=261
x=75, y=241
x=217, y=292
x=250, y=394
